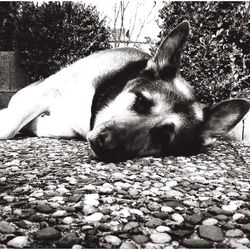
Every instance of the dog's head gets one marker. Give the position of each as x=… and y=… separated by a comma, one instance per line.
x=157, y=114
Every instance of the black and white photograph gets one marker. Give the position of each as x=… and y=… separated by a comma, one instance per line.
x=124, y=124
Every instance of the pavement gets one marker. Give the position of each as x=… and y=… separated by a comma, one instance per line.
x=55, y=194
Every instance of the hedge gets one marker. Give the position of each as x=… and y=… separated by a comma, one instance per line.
x=217, y=54
x=53, y=34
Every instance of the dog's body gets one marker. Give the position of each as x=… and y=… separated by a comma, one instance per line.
x=125, y=103
x=60, y=106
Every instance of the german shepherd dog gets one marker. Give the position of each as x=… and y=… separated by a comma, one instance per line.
x=125, y=103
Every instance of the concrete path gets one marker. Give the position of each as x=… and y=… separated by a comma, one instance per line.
x=55, y=194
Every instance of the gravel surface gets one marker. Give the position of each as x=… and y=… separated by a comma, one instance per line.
x=55, y=194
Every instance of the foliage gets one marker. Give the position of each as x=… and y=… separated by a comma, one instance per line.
x=8, y=15
x=54, y=34
x=217, y=54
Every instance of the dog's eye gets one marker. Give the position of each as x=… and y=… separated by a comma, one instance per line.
x=142, y=104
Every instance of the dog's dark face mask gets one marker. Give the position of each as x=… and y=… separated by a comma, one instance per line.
x=157, y=114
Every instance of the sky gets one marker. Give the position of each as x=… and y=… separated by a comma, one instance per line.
x=146, y=11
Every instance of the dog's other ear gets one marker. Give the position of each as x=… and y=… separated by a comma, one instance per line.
x=166, y=62
x=222, y=117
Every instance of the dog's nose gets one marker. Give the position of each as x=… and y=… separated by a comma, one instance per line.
x=104, y=140
x=107, y=144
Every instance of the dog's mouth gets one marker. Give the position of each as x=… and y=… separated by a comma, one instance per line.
x=107, y=155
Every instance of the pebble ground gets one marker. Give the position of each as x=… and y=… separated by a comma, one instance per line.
x=55, y=194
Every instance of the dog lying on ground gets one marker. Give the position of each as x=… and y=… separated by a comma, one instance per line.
x=125, y=103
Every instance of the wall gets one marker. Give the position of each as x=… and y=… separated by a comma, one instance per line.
x=12, y=77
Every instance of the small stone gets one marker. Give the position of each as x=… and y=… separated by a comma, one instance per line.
x=191, y=203
x=161, y=215
x=92, y=199
x=211, y=233
x=167, y=209
x=153, y=206
x=228, y=225
x=181, y=233
x=118, y=176
x=246, y=228
x=133, y=192
x=106, y=188
x=59, y=213
x=162, y=229
x=231, y=208
x=25, y=224
x=215, y=210
x=246, y=212
x=62, y=190
x=6, y=228
x=27, y=212
x=238, y=216
x=128, y=245
x=68, y=240
x=136, y=212
x=67, y=220
x=37, y=217
x=94, y=217
x=178, y=218
x=221, y=245
x=153, y=223
x=72, y=180
x=76, y=246
x=160, y=238
x=44, y=208
x=210, y=222
x=113, y=240
x=173, y=193
x=234, y=233
x=233, y=194
x=171, y=184
x=150, y=245
x=221, y=217
x=141, y=239
x=173, y=203
x=196, y=243
x=18, y=242
x=75, y=198
x=236, y=245
x=122, y=213
x=87, y=209
x=14, y=168
x=130, y=225
x=243, y=241
x=9, y=198
x=49, y=233
x=194, y=219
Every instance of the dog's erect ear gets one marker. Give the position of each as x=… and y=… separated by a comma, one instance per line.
x=222, y=117
x=166, y=62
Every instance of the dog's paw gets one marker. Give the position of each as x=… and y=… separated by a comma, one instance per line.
x=6, y=126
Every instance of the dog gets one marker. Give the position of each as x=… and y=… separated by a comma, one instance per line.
x=125, y=103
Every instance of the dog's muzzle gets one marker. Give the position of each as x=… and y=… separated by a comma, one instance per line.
x=107, y=144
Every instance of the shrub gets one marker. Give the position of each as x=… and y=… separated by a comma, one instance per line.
x=54, y=34
x=8, y=15
x=217, y=53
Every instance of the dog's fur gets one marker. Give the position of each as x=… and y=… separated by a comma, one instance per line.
x=125, y=103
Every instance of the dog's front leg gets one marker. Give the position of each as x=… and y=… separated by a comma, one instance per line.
x=25, y=106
